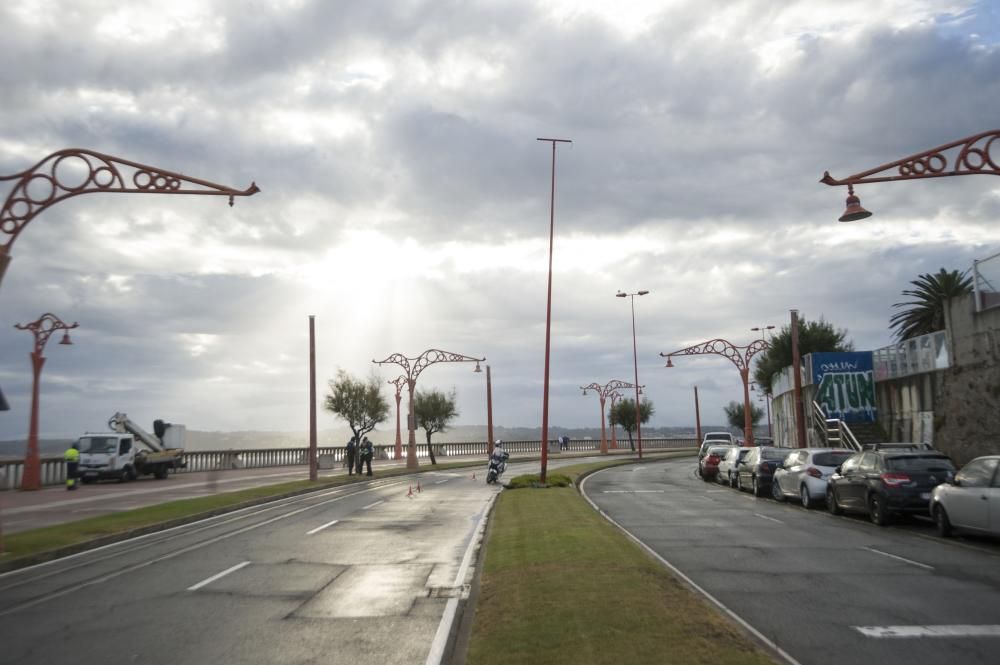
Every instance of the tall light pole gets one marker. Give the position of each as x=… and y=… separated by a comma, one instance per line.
x=697, y=416
x=603, y=392
x=42, y=329
x=489, y=412
x=766, y=398
x=767, y=391
x=313, y=460
x=412, y=367
x=399, y=382
x=740, y=356
x=635, y=364
x=548, y=314
x=71, y=172
x=973, y=157
x=799, y=406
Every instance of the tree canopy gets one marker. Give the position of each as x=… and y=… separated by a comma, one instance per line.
x=623, y=414
x=358, y=402
x=734, y=415
x=925, y=313
x=814, y=337
x=434, y=410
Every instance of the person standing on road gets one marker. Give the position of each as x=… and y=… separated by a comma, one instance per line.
x=349, y=455
x=72, y=458
x=367, y=452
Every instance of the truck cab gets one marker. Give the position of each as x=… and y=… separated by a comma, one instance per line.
x=107, y=455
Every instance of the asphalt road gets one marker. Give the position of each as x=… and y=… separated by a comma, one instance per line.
x=824, y=589
x=362, y=574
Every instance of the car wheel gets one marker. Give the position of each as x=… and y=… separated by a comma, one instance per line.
x=831, y=502
x=941, y=521
x=124, y=477
x=805, y=498
x=729, y=479
x=755, y=488
x=877, y=512
x=776, y=492
x=739, y=483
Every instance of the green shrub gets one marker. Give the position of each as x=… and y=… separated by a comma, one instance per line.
x=531, y=480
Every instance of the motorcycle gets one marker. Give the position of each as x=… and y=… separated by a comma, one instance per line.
x=496, y=468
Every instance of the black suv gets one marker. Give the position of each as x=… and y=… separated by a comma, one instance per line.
x=884, y=482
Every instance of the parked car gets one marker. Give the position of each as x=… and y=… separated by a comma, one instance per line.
x=971, y=501
x=883, y=483
x=708, y=467
x=804, y=474
x=727, y=466
x=754, y=472
x=714, y=439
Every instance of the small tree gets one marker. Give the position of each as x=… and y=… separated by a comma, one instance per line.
x=358, y=402
x=925, y=313
x=433, y=411
x=814, y=337
x=734, y=415
x=623, y=414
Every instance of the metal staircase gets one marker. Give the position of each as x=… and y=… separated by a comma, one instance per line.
x=833, y=431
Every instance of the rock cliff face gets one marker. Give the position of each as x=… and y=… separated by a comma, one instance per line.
x=967, y=417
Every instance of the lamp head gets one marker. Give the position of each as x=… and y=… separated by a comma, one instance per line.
x=642, y=293
x=478, y=369
x=584, y=392
x=620, y=294
x=854, y=211
x=66, y=339
x=670, y=362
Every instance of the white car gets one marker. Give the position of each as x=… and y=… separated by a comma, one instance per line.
x=971, y=501
x=727, y=467
x=804, y=474
x=715, y=439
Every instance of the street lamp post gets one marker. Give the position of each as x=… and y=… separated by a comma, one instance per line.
x=42, y=329
x=489, y=412
x=614, y=397
x=973, y=158
x=740, y=356
x=635, y=364
x=766, y=398
x=548, y=314
x=71, y=172
x=603, y=392
x=412, y=367
x=399, y=382
x=697, y=416
x=767, y=391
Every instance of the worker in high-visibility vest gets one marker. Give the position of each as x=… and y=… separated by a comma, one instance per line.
x=72, y=458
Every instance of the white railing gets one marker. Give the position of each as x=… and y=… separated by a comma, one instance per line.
x=54, y=469
x=919, y=355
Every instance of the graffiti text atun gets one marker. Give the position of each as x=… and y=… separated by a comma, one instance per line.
x=849, y=396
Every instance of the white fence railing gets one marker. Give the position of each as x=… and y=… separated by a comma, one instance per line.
x=54, y=469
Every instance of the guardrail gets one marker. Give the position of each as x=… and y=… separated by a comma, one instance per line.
x=54, y=469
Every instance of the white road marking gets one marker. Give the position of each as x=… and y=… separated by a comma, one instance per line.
x=372, y=505
x=929, y=631
x=442, y=481
x=633, y=491
x=765, y=517
x=899, y=558
x=320, y=528
x=218, y=576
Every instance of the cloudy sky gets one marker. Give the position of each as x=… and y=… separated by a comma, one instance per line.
x=405, y=201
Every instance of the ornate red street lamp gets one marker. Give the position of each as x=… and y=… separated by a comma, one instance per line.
x=71, y=172
x=603, y=392
x=399, y=382
x=42, y=329
x=635, y=364
x=412, y=367
x=973, y=157
x=740, y=356
x=548, y=315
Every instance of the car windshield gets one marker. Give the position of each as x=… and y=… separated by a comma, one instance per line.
x=717, y=437
x=773, y=454
x=831, y=458
x=719, y=450
x=921, y=463
x=98, y=444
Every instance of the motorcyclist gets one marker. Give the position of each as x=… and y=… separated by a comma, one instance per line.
x=498, y=459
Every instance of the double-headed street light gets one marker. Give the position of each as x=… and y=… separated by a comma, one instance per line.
x=635, y=364
x=399, y=382
x=412, y=368
x=42, y=329
x=740, y=356
x=603, y=392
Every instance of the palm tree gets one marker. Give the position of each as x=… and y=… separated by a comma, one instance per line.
x=925, y=313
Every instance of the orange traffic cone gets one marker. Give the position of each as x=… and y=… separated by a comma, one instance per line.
x=409, y=493
x=473, y=475
x=418, y=486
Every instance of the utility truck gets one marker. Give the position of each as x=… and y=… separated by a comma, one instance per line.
x=127, y=451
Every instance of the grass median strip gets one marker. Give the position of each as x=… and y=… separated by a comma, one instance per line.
x=562, y=585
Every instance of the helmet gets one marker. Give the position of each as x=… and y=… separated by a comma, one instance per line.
x=498, y=443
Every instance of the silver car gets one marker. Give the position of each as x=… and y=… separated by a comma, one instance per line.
x=970, y=501
x=804, y=473
x=727, y=467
